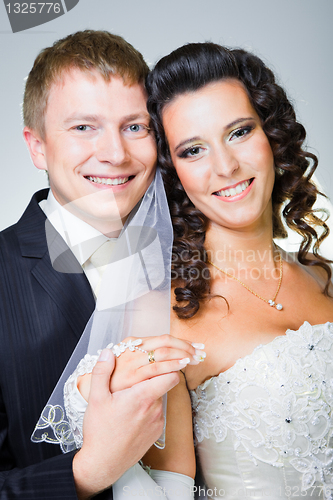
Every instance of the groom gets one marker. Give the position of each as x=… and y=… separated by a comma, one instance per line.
x=87, y=126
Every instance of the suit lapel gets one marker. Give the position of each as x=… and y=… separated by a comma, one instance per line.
x=70, y=290
x=71, y=293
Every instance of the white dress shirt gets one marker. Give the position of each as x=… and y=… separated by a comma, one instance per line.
x=82, y=238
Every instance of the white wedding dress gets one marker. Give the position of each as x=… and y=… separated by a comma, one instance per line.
x=264, y=427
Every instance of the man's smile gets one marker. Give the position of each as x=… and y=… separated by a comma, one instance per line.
x=109, y=181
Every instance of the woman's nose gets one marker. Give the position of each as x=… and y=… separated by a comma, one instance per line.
x=225, y=162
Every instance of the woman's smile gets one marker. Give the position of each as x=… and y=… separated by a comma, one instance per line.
x=235, y=192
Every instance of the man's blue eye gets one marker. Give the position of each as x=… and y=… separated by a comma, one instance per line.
x=135, y=128
x=82, y=128
x=138, y=130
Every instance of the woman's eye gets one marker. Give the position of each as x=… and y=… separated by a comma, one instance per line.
x=241, y=132
x=190, y=152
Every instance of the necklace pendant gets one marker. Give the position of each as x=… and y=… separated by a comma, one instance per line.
x=270, y=302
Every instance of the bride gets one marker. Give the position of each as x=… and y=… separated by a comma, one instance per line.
x=236, y=176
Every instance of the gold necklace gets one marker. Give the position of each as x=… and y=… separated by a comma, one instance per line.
x=270, y=302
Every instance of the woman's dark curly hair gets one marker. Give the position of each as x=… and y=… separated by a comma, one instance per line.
x=188, y=69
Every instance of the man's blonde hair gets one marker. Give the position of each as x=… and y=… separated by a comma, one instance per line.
x=110, y=55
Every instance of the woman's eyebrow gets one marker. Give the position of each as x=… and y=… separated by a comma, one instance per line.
x=239, y=120
x=230, y=125
x=191, y=139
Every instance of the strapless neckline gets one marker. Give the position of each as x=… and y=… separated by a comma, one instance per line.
x=276, y=339
x=266, y=423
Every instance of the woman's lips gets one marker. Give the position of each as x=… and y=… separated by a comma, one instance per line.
x=236, y=192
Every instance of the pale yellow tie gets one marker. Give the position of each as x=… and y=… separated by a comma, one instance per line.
x=100, y=259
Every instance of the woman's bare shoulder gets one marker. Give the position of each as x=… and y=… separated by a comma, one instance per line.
x=317, y=272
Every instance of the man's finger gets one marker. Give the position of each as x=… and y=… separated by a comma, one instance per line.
x=101, y=374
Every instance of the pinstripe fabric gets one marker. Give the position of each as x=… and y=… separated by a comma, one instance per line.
x=42, y=315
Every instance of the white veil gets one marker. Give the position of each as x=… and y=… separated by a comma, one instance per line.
x=134, y=299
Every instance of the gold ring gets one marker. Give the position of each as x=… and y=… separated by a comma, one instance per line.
x=151, y=357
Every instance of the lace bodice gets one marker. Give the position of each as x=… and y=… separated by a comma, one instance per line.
x=264, y=427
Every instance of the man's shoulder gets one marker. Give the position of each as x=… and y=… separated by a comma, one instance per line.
x=32, y=208
x=31, y=220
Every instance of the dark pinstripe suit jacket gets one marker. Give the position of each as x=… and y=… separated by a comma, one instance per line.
x=42, y=315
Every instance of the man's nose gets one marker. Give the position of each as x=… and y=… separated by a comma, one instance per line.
x=112, y=148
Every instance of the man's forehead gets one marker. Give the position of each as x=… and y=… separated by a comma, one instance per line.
x=88, y=97
x=72, y=74
x=76, y=87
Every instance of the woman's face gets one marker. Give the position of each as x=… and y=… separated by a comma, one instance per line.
x=221, y=154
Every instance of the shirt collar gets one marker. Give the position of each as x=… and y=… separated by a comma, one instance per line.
x=81, y=237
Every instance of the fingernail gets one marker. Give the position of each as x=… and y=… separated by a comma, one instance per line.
x=200, y=353
x=199, y=358
x=184, y=361
x=198, y=346
x=105, y=355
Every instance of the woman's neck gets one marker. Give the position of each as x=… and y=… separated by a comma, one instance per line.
x=240, y=249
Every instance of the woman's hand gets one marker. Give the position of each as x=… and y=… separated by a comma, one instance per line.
x=170, y=354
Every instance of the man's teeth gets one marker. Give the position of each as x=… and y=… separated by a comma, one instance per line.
x=233, y=191
x=108, y=181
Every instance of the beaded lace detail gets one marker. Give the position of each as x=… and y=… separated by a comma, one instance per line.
x=75, y=404
x=278, y=403
x=63, y=426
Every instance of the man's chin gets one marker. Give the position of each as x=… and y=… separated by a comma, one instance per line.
x=98, y=210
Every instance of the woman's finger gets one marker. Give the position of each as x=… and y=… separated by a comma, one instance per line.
x=168, y=341
x=161, y=368
x=169, y=353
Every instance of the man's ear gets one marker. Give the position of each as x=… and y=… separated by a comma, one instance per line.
x=35, y=146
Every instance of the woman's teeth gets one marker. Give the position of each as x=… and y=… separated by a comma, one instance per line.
x=108, y=181
x=233, y=191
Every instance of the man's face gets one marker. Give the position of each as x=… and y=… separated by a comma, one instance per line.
x=98, y=150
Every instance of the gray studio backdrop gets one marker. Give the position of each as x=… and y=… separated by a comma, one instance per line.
x=293, y=36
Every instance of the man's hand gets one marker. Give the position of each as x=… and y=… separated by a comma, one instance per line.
x=118, y=428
